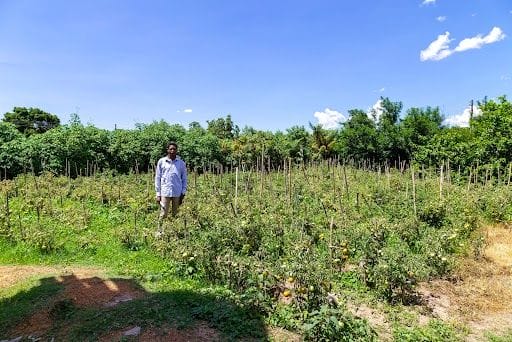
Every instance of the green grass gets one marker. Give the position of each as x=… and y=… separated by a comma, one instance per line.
x=18, y=302
x=172, y=303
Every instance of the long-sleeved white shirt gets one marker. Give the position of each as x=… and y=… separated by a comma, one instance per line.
x=170, y=177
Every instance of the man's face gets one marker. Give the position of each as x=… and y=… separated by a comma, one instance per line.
x=171, y=151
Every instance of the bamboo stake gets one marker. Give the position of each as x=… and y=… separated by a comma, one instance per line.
x=7, y=211
x=413, y=190
x=236, y=190
x=441, y=182
x=509, y=172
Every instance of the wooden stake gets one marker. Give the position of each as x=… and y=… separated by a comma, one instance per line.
x=413, y=190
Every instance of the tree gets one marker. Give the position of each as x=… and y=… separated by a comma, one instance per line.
x=298, y=143
x=455, y=144
x=493, y=131
x=31, y=120
x=419, y=126
x=391, y=142
x=12, y=150
x=358, y=138
x=223, y=128
x=322, y=141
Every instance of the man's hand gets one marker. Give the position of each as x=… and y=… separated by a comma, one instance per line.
x=181, y=198
x=158, y=199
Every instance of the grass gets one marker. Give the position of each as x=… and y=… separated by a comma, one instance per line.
x=20, y=301
x=167, y=306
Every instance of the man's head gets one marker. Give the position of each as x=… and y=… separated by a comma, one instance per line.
x=172, y=149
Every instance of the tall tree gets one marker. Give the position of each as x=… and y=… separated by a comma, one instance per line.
x=31, y=120
x=391, y=142
x=419, y=126
x=322, y=141
x=493, y=131
x=223, y=128
x=358, y=138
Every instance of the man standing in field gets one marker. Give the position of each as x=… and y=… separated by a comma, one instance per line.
x=170, y=183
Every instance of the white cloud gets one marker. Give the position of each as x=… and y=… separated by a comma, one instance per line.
x=188, y=110
x=462, y=119
x=440, y=48
x=478, y=41
x=505, y=78
x=329, y=118
x=441, y=18
x=376, y=111
x=428, y=2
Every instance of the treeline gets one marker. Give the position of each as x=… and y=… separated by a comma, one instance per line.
x=34, y=141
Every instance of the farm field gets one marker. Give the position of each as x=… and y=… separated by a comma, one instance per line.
x=317, y=252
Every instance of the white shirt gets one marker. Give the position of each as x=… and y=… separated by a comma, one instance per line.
x=170, y=177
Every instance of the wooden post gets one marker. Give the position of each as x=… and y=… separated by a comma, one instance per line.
x=441, y=176
x=509, y=172
x=413, y=190
x=236, y=190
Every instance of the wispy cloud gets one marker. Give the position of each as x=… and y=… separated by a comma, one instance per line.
x=330, y=118
x=441, y=18
x=428, y=2
x=462, y=119
x=440, y=49
x=188, y=110
x=505, y=78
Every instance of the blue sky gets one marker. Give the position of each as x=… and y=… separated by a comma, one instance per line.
x=270, y=64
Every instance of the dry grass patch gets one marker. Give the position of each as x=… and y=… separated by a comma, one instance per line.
x=479, y=294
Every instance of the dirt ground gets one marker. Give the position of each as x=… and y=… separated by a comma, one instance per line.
x=90, y=287
x=479, y=296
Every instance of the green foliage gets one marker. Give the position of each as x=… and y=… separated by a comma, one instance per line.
x=13, y=147
x=493, y=132
x=358, y=138
x=322, y=142
x=31, y=120
x=506, y=337
x=435, y=331
x=336, y=324
x=419, y=126
x=223, y=128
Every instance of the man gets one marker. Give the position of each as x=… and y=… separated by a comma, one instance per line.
x=170, y=182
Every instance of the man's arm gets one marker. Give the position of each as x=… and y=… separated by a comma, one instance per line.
x=184, y=182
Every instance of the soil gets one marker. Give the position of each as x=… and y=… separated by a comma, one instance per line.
x=476, y=296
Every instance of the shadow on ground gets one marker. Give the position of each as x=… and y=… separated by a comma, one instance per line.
x=74, y=307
